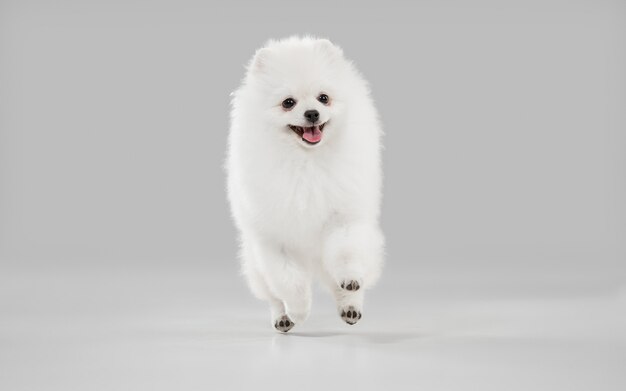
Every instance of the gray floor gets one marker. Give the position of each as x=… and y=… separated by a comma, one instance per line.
x=189, y=328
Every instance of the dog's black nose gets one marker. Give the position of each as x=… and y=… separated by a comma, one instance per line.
x=312, y=115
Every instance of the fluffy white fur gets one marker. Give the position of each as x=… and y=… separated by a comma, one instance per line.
x=305, y=212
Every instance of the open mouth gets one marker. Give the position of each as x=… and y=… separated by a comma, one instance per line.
x=310, y=134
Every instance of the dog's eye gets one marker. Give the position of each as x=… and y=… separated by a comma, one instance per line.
x=289, y=103
x=323, y=98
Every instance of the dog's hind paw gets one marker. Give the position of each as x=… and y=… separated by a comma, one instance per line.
x=283, y=324
x=350, y=315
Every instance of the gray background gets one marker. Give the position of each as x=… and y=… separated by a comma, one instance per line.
x=503, y=208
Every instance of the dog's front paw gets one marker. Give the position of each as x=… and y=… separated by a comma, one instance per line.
x=350, y=315
x=283, y=324
x=350, y=285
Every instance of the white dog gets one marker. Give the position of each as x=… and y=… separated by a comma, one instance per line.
x=304, y=178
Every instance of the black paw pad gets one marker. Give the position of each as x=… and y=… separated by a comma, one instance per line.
x=350, y=285
x=350, y=315
x=283, y=324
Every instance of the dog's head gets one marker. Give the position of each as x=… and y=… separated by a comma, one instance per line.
x=299, y=88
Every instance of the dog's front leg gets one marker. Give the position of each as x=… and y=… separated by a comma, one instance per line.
x=352, y=258
x=287, y=279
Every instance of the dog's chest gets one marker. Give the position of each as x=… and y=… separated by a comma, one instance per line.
x=302, y=198
x=307, y=194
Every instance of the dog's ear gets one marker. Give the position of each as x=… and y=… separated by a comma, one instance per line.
x=329, y=48
x=259, y=61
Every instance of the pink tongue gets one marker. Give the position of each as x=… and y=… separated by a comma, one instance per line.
x=312, y=135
